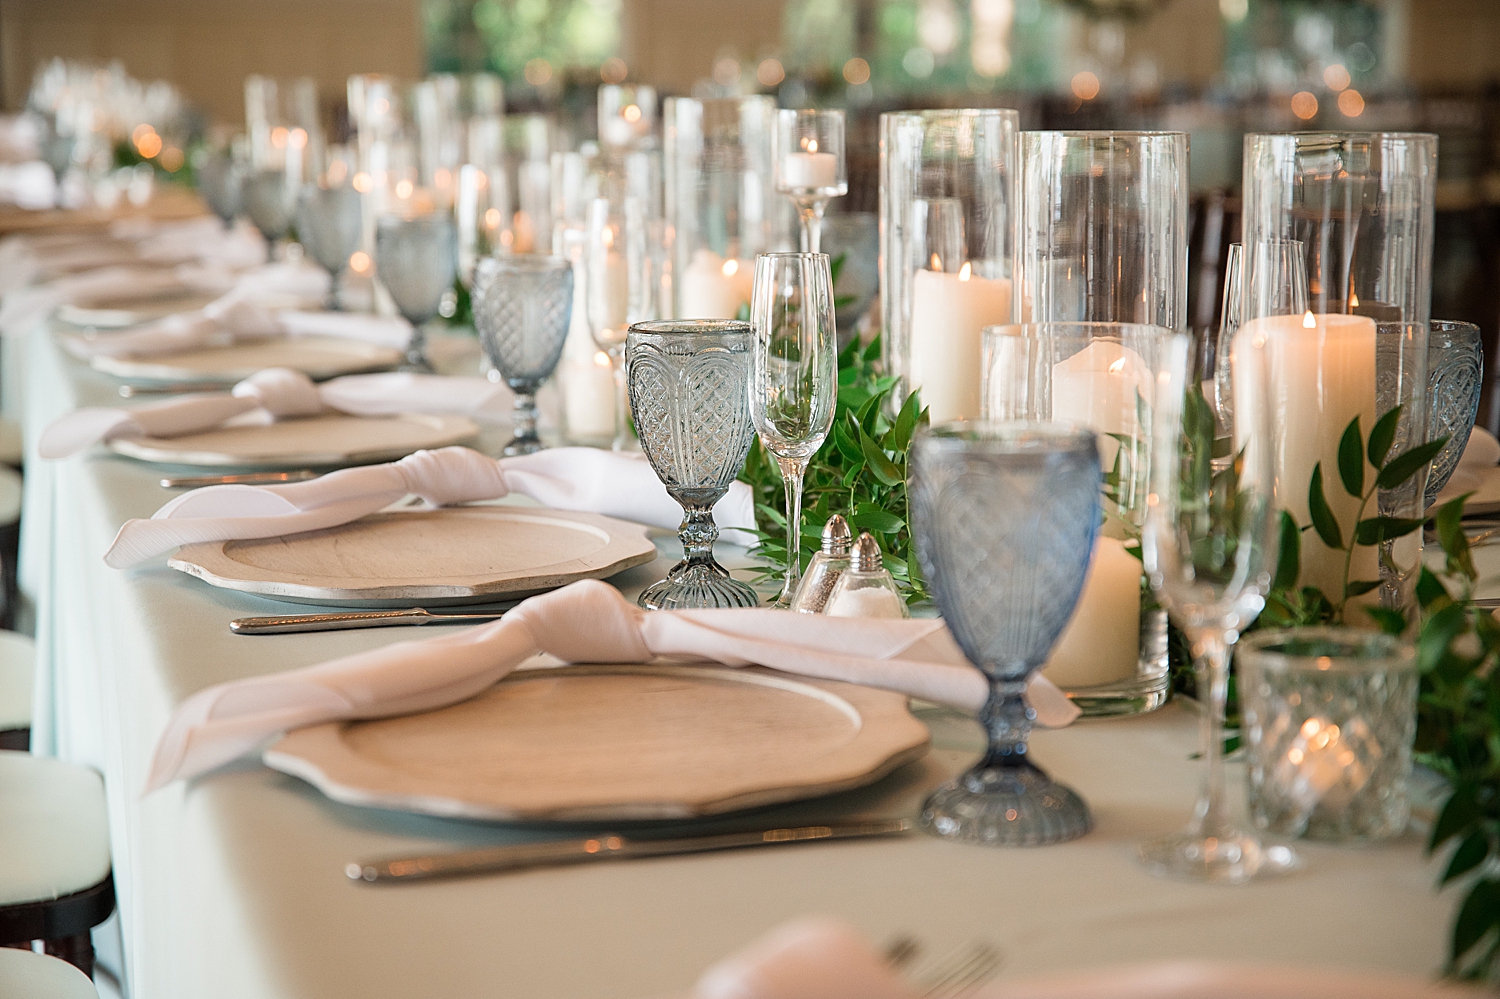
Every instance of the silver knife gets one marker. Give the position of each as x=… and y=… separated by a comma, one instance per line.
x=244, y=479
x=173, y=388
x=343, y=620
x=606, y=846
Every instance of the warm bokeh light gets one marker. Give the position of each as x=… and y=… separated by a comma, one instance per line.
x=141, y=131
x=149, y=145
x=1304, y=105
x=1085, y=86
x=1336, y=77
x=278, y=136
x=337, y=171
x=172, y=159
x=359, y=262
x=770, y=73
x=492, y=218
x=362, y=183
x=614, y=70
x=631, y=113
x=1352, y=103
x=404, y=189
x=297, y=138
x=537, y=72
x=726, y=71
x=857, y=71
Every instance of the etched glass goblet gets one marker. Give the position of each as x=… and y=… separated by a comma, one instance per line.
x=329, y=223
x=794, y=378
x=416, y=259
x=522, y=305
x=270, y=204
x=1005, y=516
x=1455, y=374
x=689, y=384
x=220, y=179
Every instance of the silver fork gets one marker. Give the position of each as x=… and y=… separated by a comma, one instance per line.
x=961, y=972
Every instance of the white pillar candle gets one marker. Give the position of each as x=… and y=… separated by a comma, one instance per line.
x=715, y=288
x=809, y=171
x=1101, y=644
x=588, y=389
x=948, y=312
x=1101, y=387
x=1322, y=375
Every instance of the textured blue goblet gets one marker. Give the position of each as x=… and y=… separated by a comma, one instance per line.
x=522, y=305
x=1455, y=374
x=329, y=223
x=416, y=259
x=1005, y=517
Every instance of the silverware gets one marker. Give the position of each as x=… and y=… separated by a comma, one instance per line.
x=961, y=972
x=244, y=479
x=606, y=846
x=344, y=620
x=174, y=388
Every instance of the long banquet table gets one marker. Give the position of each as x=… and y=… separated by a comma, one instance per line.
x=233, y=885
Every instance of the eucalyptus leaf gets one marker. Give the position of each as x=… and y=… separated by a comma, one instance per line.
x=1382, y=436
x=1323, y=520
x=1409, y=463
x=1352, y=460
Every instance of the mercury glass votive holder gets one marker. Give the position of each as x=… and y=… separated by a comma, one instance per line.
x=1329, y=717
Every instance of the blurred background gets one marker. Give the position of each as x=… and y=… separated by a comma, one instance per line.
x=1212, y=68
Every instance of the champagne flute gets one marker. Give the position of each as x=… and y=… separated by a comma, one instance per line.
x=617, y=275
x=794, y=376
x=1209, y=546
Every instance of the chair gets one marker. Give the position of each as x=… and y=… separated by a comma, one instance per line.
x=12, y=448
x=56, y=882
x=17, y=666
x=10, y=539
x=37, y=976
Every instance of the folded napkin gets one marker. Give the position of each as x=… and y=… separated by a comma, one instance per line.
x=23, y=308
x=29, y=185
x=204, y=239
x=815, y=957
x=282, y=393
x=585, y=622
x=1482, y=452
x=565, y=478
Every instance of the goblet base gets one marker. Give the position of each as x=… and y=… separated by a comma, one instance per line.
x=522, y=445
x=1229, y=859
x=1011, y=805
x=688, y=587
x=417, y=364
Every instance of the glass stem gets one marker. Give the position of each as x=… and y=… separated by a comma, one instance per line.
x=416, y=347
x=622, y=400
x=1211, y=672
x=792, y=471
x=1007, y=719
x=523, y=416
x=811, y=214
x=333, y=292
x=698, y=534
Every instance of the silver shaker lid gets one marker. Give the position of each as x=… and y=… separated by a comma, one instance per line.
x=836, y=537
x=866, y=554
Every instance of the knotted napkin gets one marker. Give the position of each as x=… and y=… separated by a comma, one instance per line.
x=567, y=478
x=586, y=622
x=23, y=308
x=282, y=393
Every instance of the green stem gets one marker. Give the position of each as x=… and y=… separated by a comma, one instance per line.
x=1338, y=613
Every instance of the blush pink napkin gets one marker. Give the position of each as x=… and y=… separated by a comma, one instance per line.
x=586, y=622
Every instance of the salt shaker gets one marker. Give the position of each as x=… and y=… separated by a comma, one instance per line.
x=826, y=567
x=866, y=589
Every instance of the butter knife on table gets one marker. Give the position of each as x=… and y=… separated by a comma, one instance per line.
x=604, y=847
x=342, y=620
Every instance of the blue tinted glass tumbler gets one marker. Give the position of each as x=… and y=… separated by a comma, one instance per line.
x=1005, y=517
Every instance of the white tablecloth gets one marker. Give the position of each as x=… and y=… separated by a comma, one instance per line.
x=234, y=887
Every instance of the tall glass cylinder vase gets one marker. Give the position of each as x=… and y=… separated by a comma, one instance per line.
x=1361, y=206
x=949, y=194
x=720, y=201
x=1104, y=227
x=1112, y=658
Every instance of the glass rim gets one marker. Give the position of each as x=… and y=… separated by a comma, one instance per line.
x=536, y=263
x=1009, y=436
x=691, y=327
x=1055, y=327
x=1320, y=135
x=1107, y=133
x=428, y=218
x=1369, y=651
x=1453, y=324
x=937, y=114
x=790, y=255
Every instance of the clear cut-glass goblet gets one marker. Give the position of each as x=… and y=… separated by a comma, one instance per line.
x=689, y=384
x=220, y=179
x=1455, y=376
x=270, y=205
x=329, y=223
x=416, y=258
x=1005, y=516
x=522, y=306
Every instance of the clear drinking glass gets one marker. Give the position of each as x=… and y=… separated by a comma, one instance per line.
x=415, y=259
x=1455, y=376
x=1329, y=716
x=795, y=376
x=810, y=168
x=1005, y=516
x=618, y=290
x=522, y=306
x=690, y=390
x=1209, y=548
x=1275, y=275
x=1112, y=658
x=329, y=222
x=270, y=205
x=1104, y=227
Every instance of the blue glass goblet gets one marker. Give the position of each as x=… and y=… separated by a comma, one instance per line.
x=330, y=223
x=416, y=259
x=522, y=305
x=1005, y=517
x=1455, y=374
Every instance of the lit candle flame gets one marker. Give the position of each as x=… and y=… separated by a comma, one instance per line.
x=1117, y=367
x=607, y=237
x=1353, y=300
x=936, y=262
x=730, y=267
x=1308, y=322
x=811, y=145
x=601, y=359
x=964, y=271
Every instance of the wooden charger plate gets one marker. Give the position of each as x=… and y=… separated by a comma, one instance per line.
x=418, y=558
x=614, y=743
x=120, y=310
x=328, y=439
x=317, y=357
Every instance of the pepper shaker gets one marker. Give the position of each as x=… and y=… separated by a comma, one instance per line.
x=826, y=567
x=866, y=589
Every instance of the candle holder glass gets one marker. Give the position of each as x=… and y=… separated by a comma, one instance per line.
x=1276, y=269
x=618, y=291
x=949, y=194
x=810, y=168
x=690, y=388
x=1104, y=227
x=627, y=116
x=1112, y=659
x=483, y=217
x=522, y=305
x=1361, y=205
x=1329, y=716
x=720, y=201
